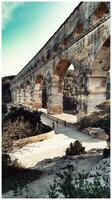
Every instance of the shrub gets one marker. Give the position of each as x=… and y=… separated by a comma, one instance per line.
x=104, y=107
x=11, y=168
x=14, y=131
x=75, y=148
x=101, y=118
x=19, y=124
x=95, y=119
x=68, y=103
x=14, y=176
x=53, y=191
x=106, y=153
x=79, y=187
x=20, y=113
x=6, y=161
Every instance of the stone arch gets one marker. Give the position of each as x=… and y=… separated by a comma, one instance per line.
x=65, y=41
x=55, y=98
x=39, y=79
x=79, y=28
x=98, y=82
x=42, y=59
x=101, y=37
x=37, y=93
x=101, y=62
x=55, y=47
x=48, y=56
x=60, y=71
x=100, y=11
x=69, y=90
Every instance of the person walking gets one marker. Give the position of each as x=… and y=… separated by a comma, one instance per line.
x=57, y=123
x=65, y=123
x=53, y=125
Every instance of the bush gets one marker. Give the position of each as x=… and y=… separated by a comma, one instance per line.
x=6, y=161
x=9, y=167
x=14, y=131
x=75, y=148
x=88, y=121
x=79, y=187
x=14, y=176
x=69, y=104
x=106, y=153
x=19, y=124
x=101, y=118
x=21, y=114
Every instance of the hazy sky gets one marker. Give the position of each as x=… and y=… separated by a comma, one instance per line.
x=26, y=27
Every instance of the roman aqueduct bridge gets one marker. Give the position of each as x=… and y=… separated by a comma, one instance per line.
x=83, y=40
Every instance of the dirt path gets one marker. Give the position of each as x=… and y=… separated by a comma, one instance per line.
x=31, y=154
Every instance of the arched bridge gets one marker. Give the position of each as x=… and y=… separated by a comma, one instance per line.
x=83, y=40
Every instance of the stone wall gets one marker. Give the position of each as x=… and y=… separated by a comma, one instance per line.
x=33, y=139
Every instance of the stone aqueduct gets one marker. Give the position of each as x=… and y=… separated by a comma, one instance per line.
x=82, y=40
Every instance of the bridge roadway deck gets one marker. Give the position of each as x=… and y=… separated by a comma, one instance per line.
x=31, y=154
x=69, y=118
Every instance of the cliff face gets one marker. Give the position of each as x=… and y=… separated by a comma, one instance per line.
x=6, y=92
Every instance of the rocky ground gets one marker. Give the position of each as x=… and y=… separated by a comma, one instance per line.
x=90, y=163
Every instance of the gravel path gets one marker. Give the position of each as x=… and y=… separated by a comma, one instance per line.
x=31, y=154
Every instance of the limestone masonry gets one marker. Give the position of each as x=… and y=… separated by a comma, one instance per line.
x=83, y=40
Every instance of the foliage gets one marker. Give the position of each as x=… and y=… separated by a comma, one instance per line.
x=6, y=92
x=106, y=152
x=14, y=131
x=4, y=108
x=75, y=148
x=100, y=118
x=69, y=103
x=53, y=190
x=20, y=113
x=14, y=176
x=5, y=160
x=20, y=123
x=79, y=187
x=104, y=107
x=9, y=167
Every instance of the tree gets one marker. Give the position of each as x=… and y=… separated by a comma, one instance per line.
x=75, y=148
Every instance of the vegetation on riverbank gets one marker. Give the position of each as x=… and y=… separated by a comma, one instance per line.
x=75, y=148
x=17, y=124
x=20, y=123
x=15, y=177
x=99, y=119
x=83, y=185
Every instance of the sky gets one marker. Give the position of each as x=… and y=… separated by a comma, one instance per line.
x=26, y=27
